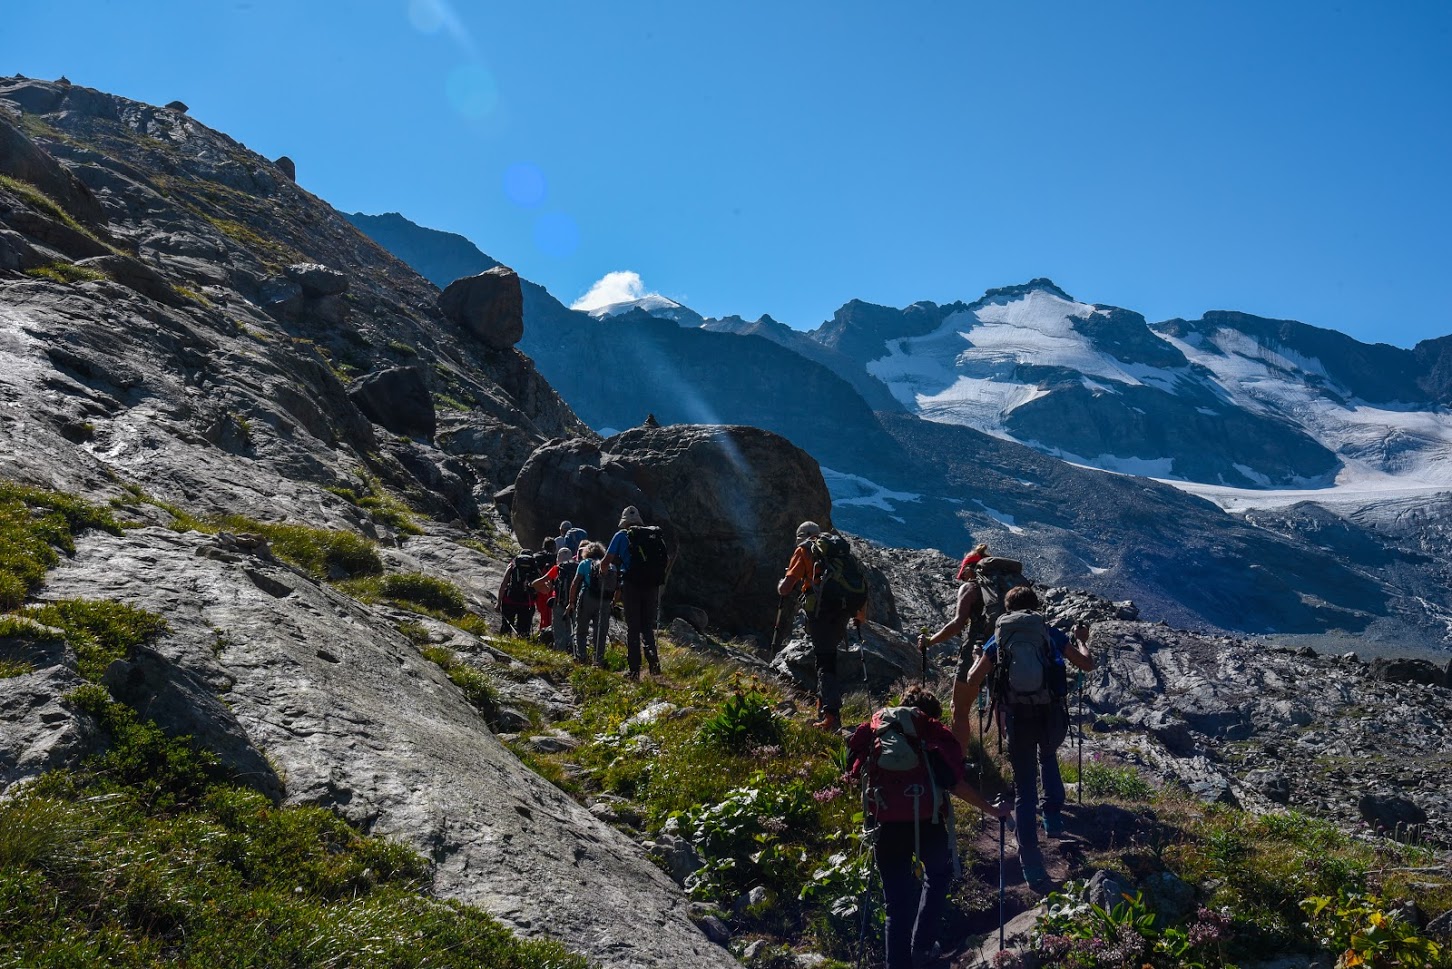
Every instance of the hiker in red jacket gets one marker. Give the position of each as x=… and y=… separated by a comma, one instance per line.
x=910, y=763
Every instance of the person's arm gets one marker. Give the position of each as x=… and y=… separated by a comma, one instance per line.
x=574, y=591
x=503, y=584
x=798, y=573
x=977, y=674
x=969, y=601
x=967, y=792
x=541, y=585
x=1076, y=650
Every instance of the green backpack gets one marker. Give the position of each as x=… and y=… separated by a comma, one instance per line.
x=838, y=582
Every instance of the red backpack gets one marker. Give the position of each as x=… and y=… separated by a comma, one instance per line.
x=893, y=751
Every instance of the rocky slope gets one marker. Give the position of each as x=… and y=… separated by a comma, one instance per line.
x=181, y=323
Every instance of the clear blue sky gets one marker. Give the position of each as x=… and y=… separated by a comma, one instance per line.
x=1171, y=156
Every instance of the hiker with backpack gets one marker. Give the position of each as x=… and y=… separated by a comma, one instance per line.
x=833, y=589
x=588, y=601
x=639, y=551
x=570, y=537
x=1029, y=684
x=969, y=620
x=554, y=588
x=544, y=560
x=517, y=595
x=909, y=763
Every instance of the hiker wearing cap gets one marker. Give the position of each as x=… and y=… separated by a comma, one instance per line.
x=833, y=590
x=639, y=552
x=968, y=616
x=1025, y=656
x=554, y=588
x=909, y=763
x=570, y=537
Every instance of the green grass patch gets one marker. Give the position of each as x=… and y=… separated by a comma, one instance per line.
x=36, y=527
x=409, y=590
x=318, y=551
x=187, y=293
x=142, y=858
x=38, y=200
x=401, y=348
x=478, y=689
x=66, y=272
x=101, y=631
x=381, y=506
x=1105, y=780
x=10, y=668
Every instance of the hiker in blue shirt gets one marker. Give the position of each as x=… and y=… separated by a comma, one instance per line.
x=1031, y=689
x=638, y=552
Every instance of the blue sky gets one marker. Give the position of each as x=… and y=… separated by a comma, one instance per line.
x=1284, y=158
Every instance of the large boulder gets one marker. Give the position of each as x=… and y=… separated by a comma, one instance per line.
x=490, y=306
x=875, y=661
x=730, y=499
x=317, y=280
x=398, y=399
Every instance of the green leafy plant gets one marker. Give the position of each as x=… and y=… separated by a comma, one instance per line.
x=746, y=719
x=1367, y=930
x=741, y=838
x=1126, y=935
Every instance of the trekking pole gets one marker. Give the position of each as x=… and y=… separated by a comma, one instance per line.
x=1002, y=882
x=1081, y=737
x=923, y=640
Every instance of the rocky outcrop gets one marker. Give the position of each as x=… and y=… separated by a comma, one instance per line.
x=488, y=306
x=398, y=399
x=1259, y=724
x=355, y=719
x=730, y=499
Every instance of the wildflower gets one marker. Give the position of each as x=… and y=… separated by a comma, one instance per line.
x=827, y=794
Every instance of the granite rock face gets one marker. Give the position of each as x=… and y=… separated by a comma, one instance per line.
x=358, y=721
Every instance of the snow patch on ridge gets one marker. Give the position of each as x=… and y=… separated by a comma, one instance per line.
x=852, y=489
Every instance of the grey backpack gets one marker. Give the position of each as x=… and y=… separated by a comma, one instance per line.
x=1024, y=669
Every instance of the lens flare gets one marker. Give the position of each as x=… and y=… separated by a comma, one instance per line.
x=524, y=185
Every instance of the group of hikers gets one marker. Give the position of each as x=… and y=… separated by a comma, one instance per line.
x=909, y=761
x=573, y=583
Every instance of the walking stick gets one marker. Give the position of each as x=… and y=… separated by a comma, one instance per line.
x=1081, y=737
x=1002, y=883
x=923, y=645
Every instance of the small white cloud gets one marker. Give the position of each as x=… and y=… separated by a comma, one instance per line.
x=617, y=287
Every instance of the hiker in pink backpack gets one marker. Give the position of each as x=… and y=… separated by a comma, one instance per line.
x=909, y=763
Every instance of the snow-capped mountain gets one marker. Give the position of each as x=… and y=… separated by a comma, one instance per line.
x=661, y=307
x=1229, y=400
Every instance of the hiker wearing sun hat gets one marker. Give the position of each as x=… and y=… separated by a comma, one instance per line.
x=639, y=552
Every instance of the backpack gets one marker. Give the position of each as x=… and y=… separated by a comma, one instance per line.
x=648, y=556
x=573, y=538
x=563, y=581
x=523, y=570
x=838, y=582
x=899, y=783
x=1025, y=670
x=996, y=576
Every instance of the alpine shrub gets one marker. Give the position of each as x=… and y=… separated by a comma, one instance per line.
x=744, y=721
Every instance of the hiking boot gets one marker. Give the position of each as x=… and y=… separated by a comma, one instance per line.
x=633, y=675
x=1036, y=876
x=830, y=721
x=655, y=668
x=1053, y=824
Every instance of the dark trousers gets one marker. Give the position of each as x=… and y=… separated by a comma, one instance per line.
x=642, y=605
x=914, y=909
x=826, y=631
x=518, y=620
x=1034, y=736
